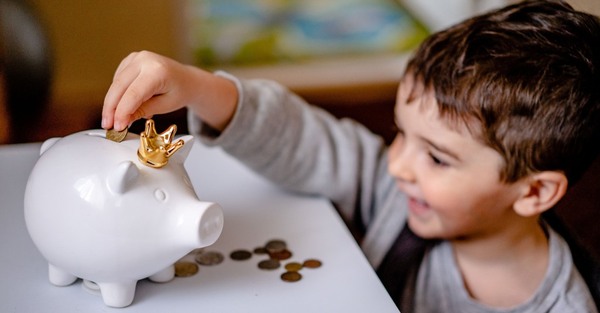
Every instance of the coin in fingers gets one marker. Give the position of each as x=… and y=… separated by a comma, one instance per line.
x=116, y=136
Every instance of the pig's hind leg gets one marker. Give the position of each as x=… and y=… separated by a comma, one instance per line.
x=58, y=277
x=164, y=276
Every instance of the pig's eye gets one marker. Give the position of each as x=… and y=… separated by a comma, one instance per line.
x=160, y=195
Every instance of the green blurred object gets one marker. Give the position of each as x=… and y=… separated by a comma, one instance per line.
x=245, y=32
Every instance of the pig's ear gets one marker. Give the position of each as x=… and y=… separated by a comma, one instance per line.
x=122, y=177
x=181, y=155
x=47, y=144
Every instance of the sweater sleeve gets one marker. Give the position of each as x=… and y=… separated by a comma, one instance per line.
x=302, y=148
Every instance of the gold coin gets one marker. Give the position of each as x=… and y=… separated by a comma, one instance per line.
x=291, y=276
x=269, y=264
x=293, y=267
x=312, y=263
x=281, y=255
x=209, y=258
x=185, y=269
x=116, y=136
x=240, y=255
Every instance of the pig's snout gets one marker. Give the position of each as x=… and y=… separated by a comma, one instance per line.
x=210, y=224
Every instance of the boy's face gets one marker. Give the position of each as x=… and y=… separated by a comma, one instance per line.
x=452, y=180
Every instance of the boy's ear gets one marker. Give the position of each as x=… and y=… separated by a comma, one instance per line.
x=541, y=191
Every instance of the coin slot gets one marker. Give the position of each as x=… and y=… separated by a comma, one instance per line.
x=100, y=134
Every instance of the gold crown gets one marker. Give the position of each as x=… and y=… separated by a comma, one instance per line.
x=155, y=149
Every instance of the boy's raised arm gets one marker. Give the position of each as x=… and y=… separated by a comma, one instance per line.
x=146, y=83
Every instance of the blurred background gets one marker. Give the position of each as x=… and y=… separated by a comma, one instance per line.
x=57, y=57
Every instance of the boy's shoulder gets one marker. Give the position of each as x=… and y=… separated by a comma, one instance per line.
x=574, y=219
x=440, y=284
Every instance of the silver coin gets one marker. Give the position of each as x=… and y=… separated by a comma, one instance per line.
x=209, y=258
x=275, y=245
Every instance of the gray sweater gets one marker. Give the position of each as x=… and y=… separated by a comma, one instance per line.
x=306, y=150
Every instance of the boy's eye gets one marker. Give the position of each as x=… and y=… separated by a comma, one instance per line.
x=437, y=161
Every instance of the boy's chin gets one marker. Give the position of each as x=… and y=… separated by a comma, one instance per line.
x=424, y=231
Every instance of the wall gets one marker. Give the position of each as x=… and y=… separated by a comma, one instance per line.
x=91, y=37
x=591, y=6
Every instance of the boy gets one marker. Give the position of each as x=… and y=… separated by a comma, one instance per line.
x=496, y=116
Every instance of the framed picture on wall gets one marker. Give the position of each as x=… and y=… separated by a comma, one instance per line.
x=244, y=32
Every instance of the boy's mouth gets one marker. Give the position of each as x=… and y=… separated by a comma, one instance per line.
x=418, y=207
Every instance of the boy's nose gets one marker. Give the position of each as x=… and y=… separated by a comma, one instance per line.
x=399, y=162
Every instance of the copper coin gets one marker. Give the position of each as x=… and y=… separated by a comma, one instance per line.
x=293, y=267
x=240, y=255
x=260, y=250
x=312, y=263
x=275, y=245
x=185, y=269
x=269, y=264
x=281, y=255
x=291, y=276
x=209, y=258
x=116, y=136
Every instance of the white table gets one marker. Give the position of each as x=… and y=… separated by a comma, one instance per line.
x=255, y=212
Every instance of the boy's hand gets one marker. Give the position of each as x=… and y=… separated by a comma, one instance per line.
x=146, y=83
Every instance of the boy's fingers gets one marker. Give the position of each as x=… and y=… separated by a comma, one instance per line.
x=129, y=107
x=124, y=77
x=124, y=63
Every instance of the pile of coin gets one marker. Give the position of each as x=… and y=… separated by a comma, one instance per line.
x=185, y=268
x=276, y=250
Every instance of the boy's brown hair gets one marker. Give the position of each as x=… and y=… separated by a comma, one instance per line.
x=525, y=80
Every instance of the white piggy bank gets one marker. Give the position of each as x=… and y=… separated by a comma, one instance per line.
x=96, y=212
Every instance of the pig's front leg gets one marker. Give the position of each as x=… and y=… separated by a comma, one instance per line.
x=58, y=277
x=118, y=294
